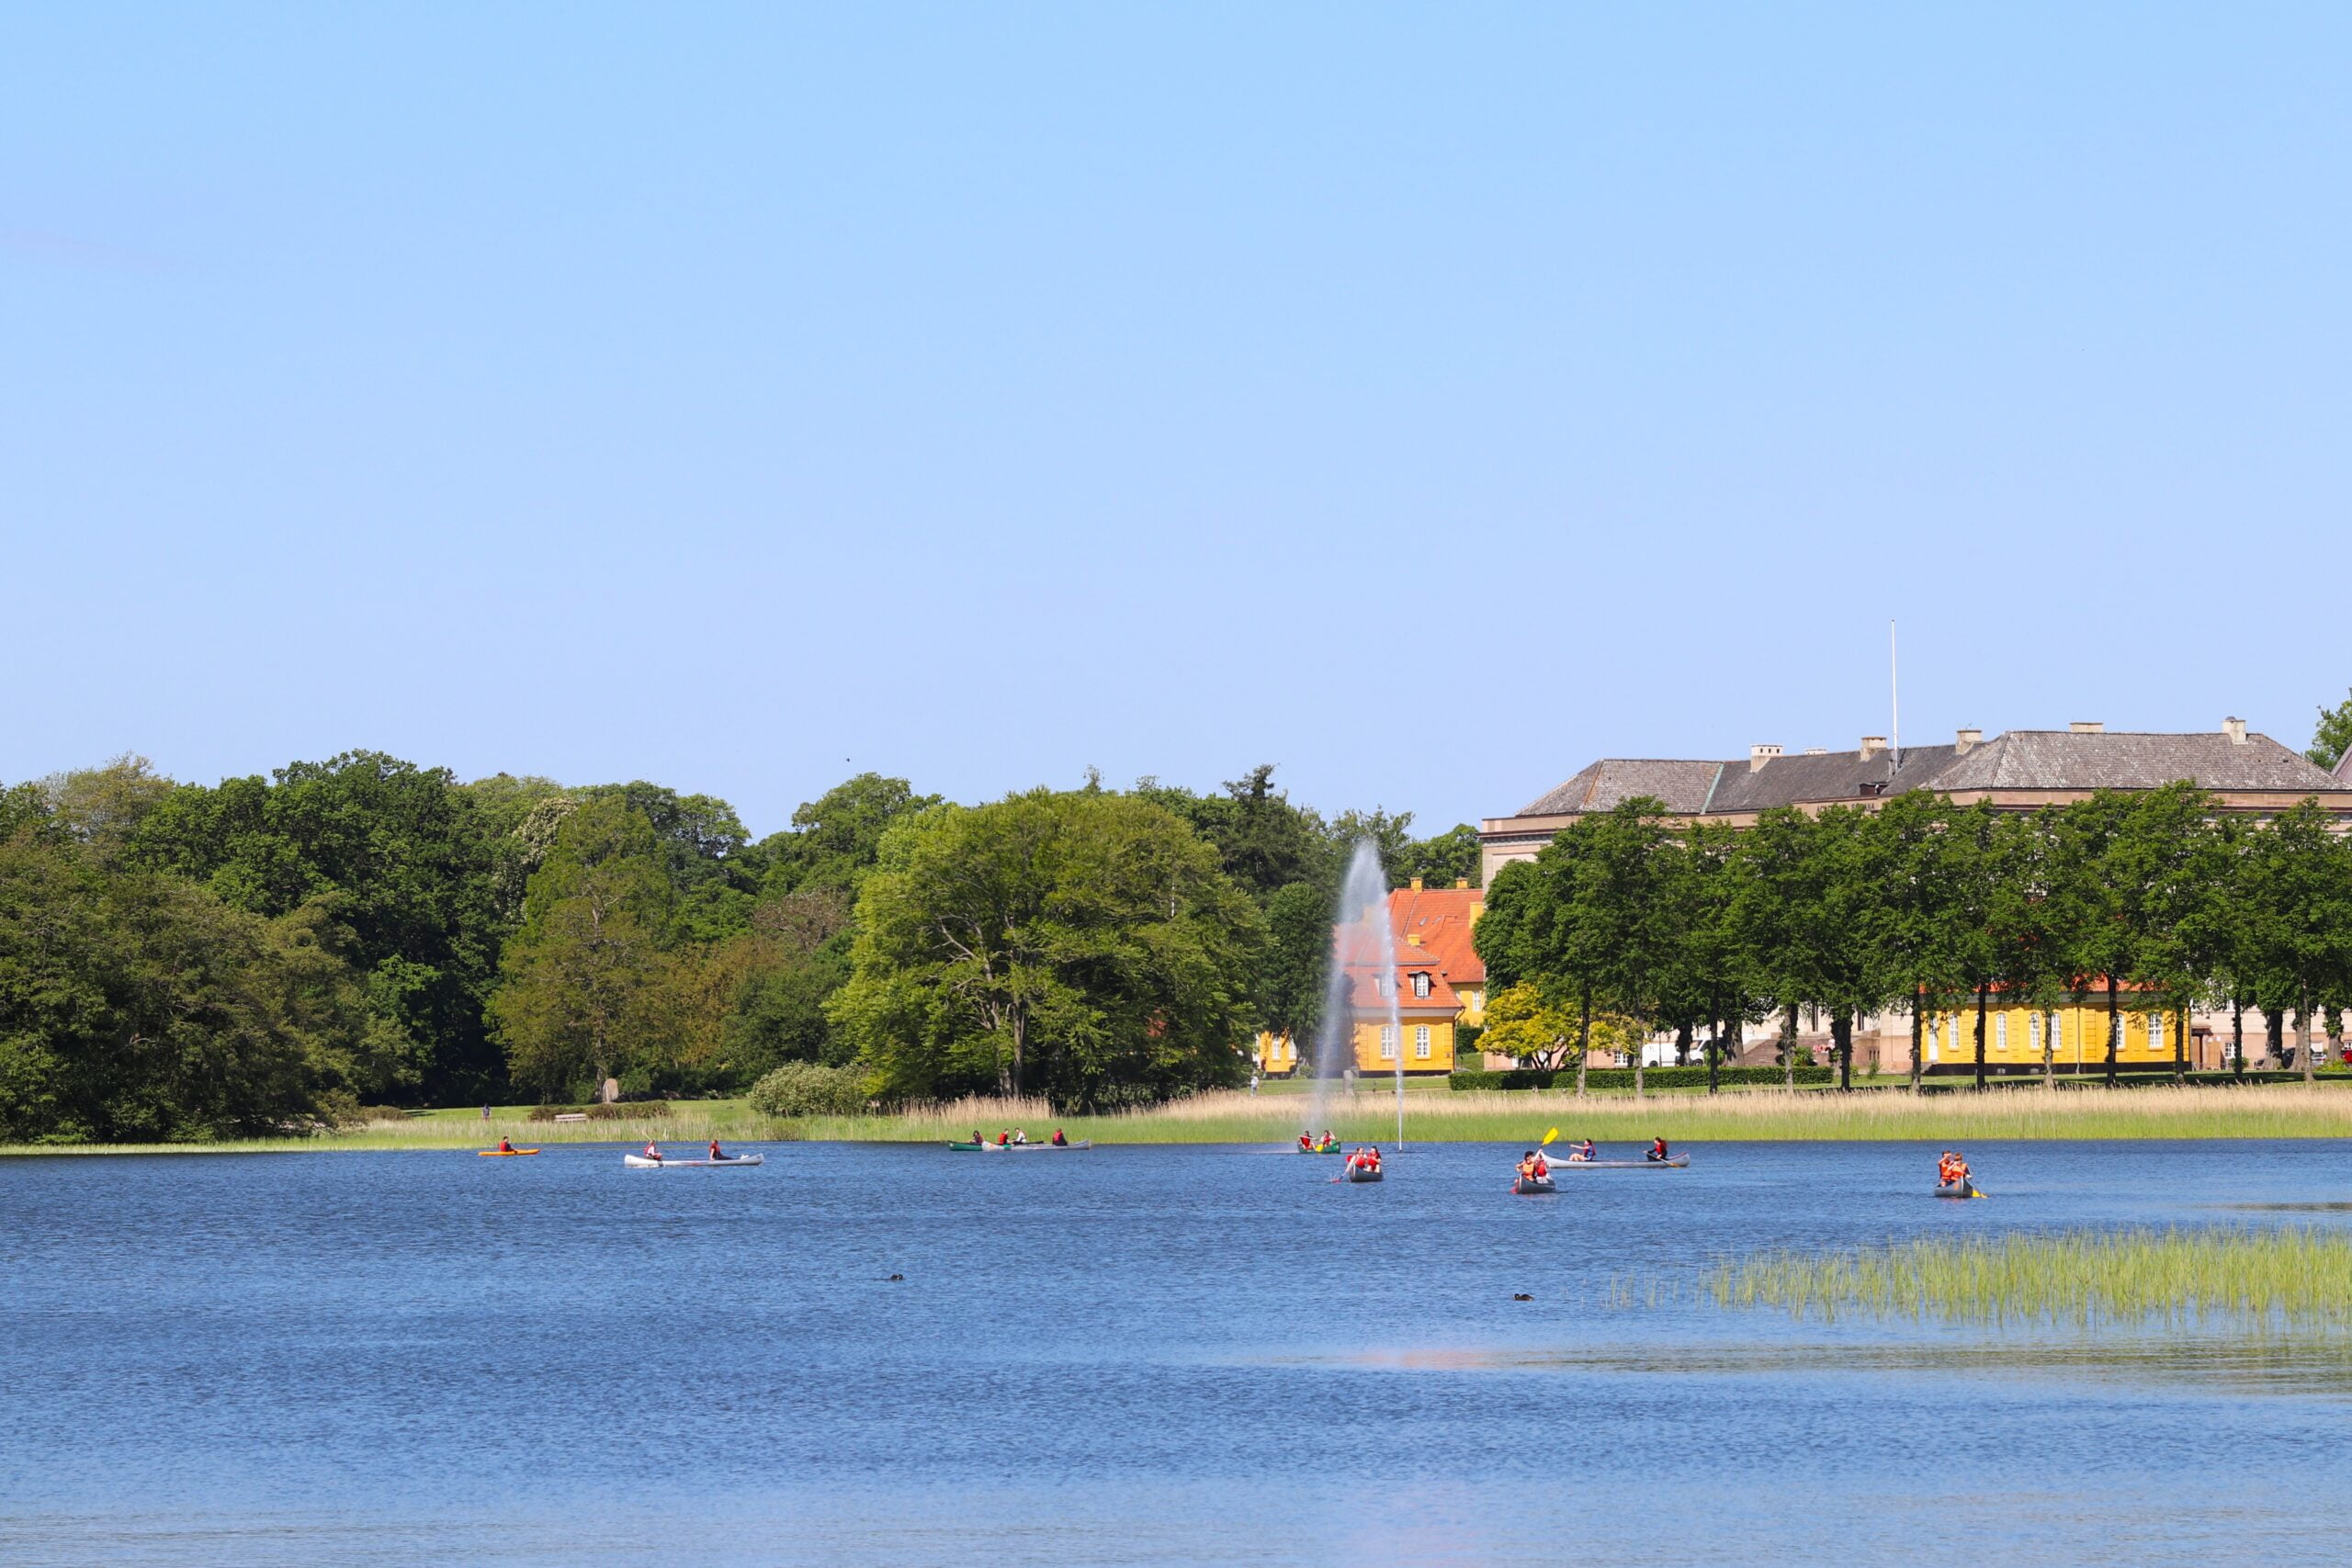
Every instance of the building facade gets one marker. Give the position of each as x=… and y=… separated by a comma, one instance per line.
x=1432, y=980
x=2021, y=770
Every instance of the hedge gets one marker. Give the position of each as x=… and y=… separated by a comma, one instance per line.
x=1623, y=1078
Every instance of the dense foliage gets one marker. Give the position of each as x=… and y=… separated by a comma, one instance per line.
x=181, y=960
x=1921, y=904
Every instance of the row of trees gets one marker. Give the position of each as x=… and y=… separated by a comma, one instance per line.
x=180, y=959
x=1921, y=905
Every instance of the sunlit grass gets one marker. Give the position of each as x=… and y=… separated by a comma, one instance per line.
x=2299, y=1278
x=1767, y=1113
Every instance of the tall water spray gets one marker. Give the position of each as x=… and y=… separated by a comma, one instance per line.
x=1362, y=983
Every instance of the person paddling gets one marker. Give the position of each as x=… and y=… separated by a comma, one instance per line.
x=505, y=1146
x=1004, y=1138
x=653, y=1151
x=1657, y=1149
x=1306, y=1143
x=1584, y=1153
x=714, y=1155
x=1060, y=1142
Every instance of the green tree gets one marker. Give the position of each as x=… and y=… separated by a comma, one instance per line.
x=1298, y=967
x=1444, y=859
x=135, y=1006
x=586, y=987
x=2333, y=736
x=836, y=838
x=2295, y=897
x=408, y=853
x=1085, y=945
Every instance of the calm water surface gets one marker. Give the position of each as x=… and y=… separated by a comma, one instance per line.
x=1125, y=1355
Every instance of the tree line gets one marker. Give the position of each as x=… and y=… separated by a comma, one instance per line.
x=186, y=961
x=1637, y=922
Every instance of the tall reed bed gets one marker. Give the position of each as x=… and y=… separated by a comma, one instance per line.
x=2285, y=1111
x=2288, y=1278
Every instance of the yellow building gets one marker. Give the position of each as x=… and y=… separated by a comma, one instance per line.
x=2076, y=1032
x=1436, y=981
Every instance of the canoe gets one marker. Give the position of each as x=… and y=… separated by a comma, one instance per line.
x=1958, y=1189
x=1334, y=1149
x=1019, y=1148
x=1532, y=1185
x=504, y=1153
x=638, y=1162
x=1674, y=1162
x=1358, y=1173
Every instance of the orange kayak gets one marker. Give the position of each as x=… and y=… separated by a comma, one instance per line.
x=502, y=1153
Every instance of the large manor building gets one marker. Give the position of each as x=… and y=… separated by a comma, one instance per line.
x=2021, y=769
x=2246, y=773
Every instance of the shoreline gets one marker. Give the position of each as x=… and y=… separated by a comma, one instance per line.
x=2272, y=1111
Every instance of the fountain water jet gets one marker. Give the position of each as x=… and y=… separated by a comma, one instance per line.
x=1362, y=979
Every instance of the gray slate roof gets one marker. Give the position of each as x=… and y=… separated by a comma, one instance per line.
x=1683, y=786
x=2058, y=759
x=2017, y=760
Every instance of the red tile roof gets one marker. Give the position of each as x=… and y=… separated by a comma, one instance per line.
x=1441, y=917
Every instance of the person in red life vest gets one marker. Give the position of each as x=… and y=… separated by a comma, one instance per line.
x=1543, y=1166
x=652, y=1151
x=1371, y=1157
x=1004, y=1138
x=1306, y=1143
x=1060, y=1142
x=505, y=1146
x=1657, y=1148
x=713, y=1150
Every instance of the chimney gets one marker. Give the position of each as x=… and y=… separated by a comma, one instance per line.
x=2087, y=727
x=1760, y=755
x=1461, y=885
x=2235, y=729
x=1872, y=745
x=1412, y=939
x=1968, y=740
x=1417, y=885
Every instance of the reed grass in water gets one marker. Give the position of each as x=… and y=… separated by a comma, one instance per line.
x=2285, y=1278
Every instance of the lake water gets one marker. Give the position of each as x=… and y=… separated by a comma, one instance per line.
x=1124, y=1356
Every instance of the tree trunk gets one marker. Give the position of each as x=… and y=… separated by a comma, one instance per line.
x=2180, y=1045
x=1984, y=994
x=1584, y=1037
x=2115, y=1028
x=2304, y=1035
x=2273, y=1034
x=1841, y=1030
x=2237, y=1034
x=1683, y=1043
x=1789, y=1044
x=2050, y=1051
x=1715, y=1057
x=1640, y=1055
x=1918, y=1032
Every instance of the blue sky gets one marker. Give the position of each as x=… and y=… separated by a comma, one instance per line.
x=1423, y=399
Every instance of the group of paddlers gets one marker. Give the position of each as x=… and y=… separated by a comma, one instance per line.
x=1951, y=1171
x=1013, y=1137
x=653, y=1150
x=1308, y=1144
x=1365, y=1158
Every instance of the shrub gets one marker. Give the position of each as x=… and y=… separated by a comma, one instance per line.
x=805, y=1089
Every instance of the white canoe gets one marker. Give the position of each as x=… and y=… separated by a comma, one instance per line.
x=638, y=1162
x=1671, y=1162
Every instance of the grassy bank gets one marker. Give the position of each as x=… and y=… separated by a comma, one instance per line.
x=2266, y=1110
x=2288, y=1278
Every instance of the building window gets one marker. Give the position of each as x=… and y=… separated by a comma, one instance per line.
x=1421, y=1041
x=1387, y=1042
x=2034, y=1033
x=1420, y=985
x=2001, y=1033
x=2156, y=1032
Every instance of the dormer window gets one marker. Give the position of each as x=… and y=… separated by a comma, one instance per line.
x=1420, y=985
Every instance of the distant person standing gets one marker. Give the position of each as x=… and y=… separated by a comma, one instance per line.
x=485, y=1112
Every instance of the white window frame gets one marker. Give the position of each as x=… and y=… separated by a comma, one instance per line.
x=2000, y=1032
x=1387, y=1042
x=1420, y=985
x=1421, y=1042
